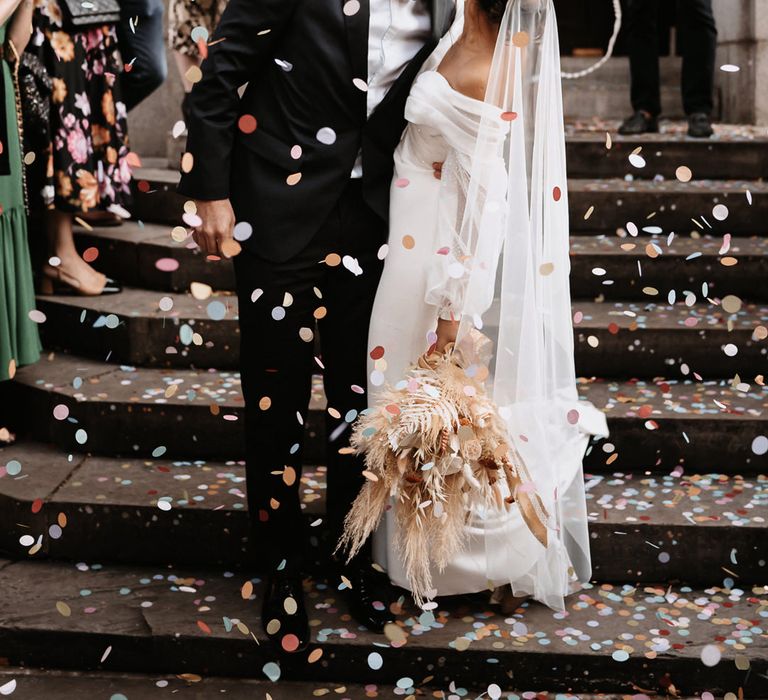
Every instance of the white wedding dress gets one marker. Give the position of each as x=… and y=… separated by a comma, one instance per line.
x=439, y=124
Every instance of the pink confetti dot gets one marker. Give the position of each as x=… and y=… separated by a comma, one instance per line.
x=573, y=416
x=167, y=264
x=60, y=411
x=402, y=182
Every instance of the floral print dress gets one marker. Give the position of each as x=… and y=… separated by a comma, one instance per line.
x=84, y=165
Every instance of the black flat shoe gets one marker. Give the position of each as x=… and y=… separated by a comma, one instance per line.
x=700, y=126
x=370, y=596
x=283, y=615
x=639, y=123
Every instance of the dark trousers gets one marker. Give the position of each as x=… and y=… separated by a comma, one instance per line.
x=698, y=40
x=277, y=361
x=146, y=45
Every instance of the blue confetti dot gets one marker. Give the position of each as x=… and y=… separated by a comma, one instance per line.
x=271, y=671
x=375, y=661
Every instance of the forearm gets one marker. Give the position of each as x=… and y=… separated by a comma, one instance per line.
x=20, y=27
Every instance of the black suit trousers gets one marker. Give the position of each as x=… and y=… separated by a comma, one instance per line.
x=698, y=40
x=289, y=310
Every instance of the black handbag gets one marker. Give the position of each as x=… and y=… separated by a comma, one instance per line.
x=35, y=92
x=80, y=14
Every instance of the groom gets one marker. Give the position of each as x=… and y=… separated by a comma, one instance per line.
x=302, y=162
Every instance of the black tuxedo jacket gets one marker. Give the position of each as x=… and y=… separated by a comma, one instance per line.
x=299, y=58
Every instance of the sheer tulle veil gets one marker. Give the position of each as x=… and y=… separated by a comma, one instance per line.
x=511, y=260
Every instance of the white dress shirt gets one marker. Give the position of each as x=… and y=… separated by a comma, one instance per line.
x=397, y=29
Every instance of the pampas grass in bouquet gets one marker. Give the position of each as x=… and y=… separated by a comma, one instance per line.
x=437, y=446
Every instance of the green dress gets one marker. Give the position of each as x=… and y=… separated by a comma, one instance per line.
x=19, y=340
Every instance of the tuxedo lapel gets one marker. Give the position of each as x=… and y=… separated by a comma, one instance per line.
x=357, y=37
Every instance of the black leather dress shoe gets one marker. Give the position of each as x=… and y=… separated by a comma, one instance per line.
x=699, y=126
x=283, y=614
x=639, y=123
x=370, y=596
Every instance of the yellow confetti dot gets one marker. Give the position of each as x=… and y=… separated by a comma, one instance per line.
x=650, y=291
x=200, y=290
x=589, y=212
x=546, y=268
x=171, y=390
x=179, y=234
x=63, y=608
x=190, y=207
x=273, y=626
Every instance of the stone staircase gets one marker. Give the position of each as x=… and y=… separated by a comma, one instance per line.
x=123, y=513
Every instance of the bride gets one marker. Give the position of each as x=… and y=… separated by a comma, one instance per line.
x=485, y=247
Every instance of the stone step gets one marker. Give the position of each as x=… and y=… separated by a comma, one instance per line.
x=612, y=639
x=613, y=339
x=669, y=204
x=33, y=684
x=135, y=252
x=621, y=268
x=724, y=157
x=111, y=409
x=195, y=513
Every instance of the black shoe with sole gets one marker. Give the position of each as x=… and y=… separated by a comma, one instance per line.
x=699, y=125
x=283, y=614
x=639, y=123
x=370, y=596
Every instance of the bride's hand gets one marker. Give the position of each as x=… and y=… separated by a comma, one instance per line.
x=446, y=333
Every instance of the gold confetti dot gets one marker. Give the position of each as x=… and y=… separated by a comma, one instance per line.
x=652, y=251
x=520, y=39
x=63, y=608
x=11, y=368
x=230, y=248
x=589, y=212
x=409, y=242
x=264, y=403
x=190, y=207
x=731, y=304
x=320, y=312
x=461, y=643
x=215, y=409
x=729, y=261
x=683, y=173
x=171, y=390
x=273, y=626
x=315, y=655
x=293, y=179
x=62, y=520
x=290, y=606
x=193, y=74
x=289, y=476
x=29, y=158
x=592, y=341
x=334, y=413
x=650, y=291
x=760, y=333
x=246, y=590
x=306, y=334
x=546, y=268
x=187, y=162
x=332, y=259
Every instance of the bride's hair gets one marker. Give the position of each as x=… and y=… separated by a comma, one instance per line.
x=494, y=9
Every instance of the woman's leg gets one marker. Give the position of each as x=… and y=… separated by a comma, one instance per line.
x=71, y=269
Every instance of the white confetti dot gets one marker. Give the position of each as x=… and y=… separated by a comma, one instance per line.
x=36, y=316
x=164, y=505
x=242, y=231
x=278, y=313
x=710, y=655
x=326, y=135
x=730, y=349
x=720, y=212
x=729, y=68
x=352, y=7
x=620, y=655
x=81, y=437
x=637, y=160
x=26, y=540
x=375, y=661
x=760, y=445
x=360, y=84
x=8, y=688
x=165, y=304
x=383, y=251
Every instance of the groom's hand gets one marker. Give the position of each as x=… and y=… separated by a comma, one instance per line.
x=214, y=235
